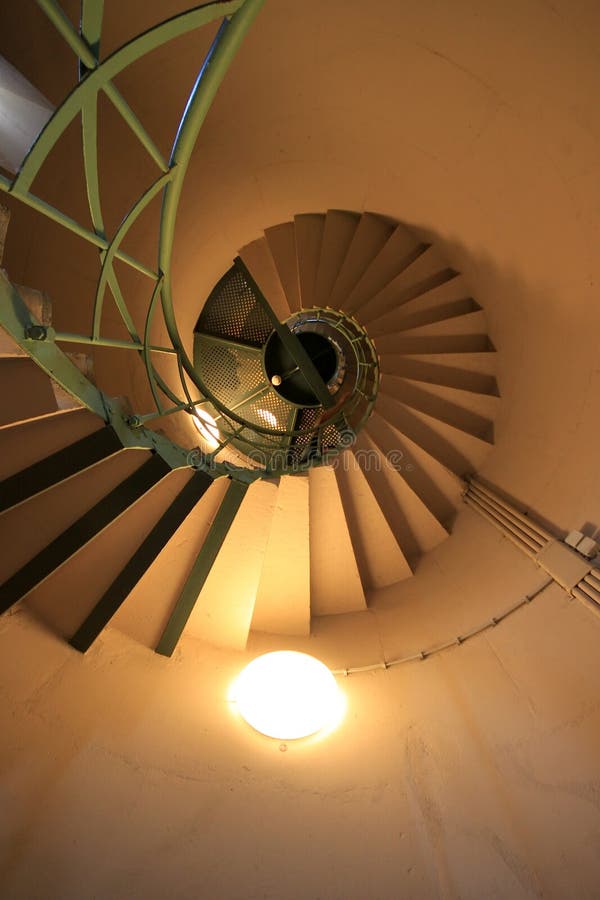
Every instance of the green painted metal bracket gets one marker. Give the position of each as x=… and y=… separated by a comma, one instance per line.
x=27, y=332
x=141, y=560
x=92, y=12
x=290, y=342
x=201, y=568
x=220, y=56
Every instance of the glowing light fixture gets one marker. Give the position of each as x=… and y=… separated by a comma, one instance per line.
x=267, y=416
x=207, y=427
x=288, y=695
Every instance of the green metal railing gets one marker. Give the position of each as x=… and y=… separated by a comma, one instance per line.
x=96, y=76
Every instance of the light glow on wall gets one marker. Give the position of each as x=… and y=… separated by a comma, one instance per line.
x=288, y=695
x=267, y=416
x=207, y=427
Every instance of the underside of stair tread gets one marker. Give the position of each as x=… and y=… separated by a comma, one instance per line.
x=438, y=319
x=398, y=252
x=415, y=526
x=452, y=448
x=484, y=405
x=283, y=598
x=467, y=322
x=429, y=270
x=31, y=526
x=84, y=530
x=436, y=486
x=420, y=369
x=257, y=258
x=465, y=446
x=309, y=229
x=449, y=292
x=370, y=236
x=379, y=550
x=338, y=232
x=282, y=245
x=87, y=575
x=145, y=612
x=421, y=398
x=89, y=451
x=418, y=345
x=190, y=487
x=24, y=443
x=335, y=581
x=482, y=362
x=223, y=612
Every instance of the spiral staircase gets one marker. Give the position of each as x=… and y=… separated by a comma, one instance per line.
x=319, y=542
x=103, y=508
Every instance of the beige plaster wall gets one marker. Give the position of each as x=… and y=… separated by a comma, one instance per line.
x=474, y=774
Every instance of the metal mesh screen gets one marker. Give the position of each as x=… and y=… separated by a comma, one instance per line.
x=270, y=411
x=229, y=371
x=232, y=311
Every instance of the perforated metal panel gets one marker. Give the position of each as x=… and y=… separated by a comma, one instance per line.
x=231, y=372
x=270, y=411
x=232, y=311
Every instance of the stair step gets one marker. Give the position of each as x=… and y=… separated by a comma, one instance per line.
x=259, y=262
x=282, y=245
x=465, y=322
x=146, y=611
x=63, y=464
x=484, y=406
x=82, y=531
x=335, y=582
x=399, y=251
x=428, y=271
x=371, y=234
x=25, y=391
x=4, y=222
x=438, y=489
x=420, y=398
x=420, y=369
x=416, y=528
x=25, y=443
x=449, y=292
x=309, y=237
x=419, y=345
x=223, y=612
x=283, y=599
x=31, y=526
x=82, y=582
x=381, y=560
x=338, y=232
x=141, y=559
x=439, y=316
x=429, y=434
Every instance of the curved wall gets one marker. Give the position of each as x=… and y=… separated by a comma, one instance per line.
x=470, y=775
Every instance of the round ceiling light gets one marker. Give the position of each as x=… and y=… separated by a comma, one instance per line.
x=288, y=695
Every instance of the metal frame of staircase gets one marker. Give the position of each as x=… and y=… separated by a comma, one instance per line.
x=288, y=546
